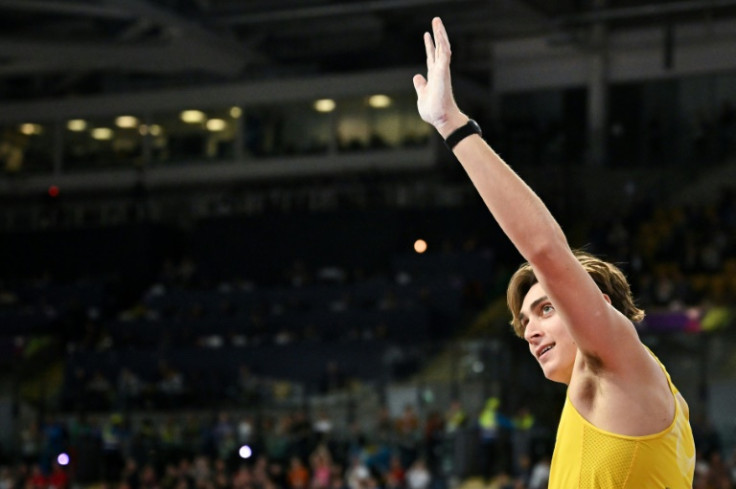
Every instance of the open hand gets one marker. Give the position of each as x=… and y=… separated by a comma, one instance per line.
x=435, y=101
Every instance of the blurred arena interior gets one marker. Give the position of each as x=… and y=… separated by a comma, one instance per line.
x=233, y=256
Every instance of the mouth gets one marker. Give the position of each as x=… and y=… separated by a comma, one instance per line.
x=543, y=350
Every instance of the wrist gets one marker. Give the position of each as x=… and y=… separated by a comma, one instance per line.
x=470, y=128
x=451, y=124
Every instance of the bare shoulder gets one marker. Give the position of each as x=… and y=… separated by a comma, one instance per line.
x=634, y=401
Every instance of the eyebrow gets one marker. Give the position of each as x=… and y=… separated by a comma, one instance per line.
x=533, y=306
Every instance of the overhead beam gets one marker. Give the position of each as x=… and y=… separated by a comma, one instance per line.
x=67, y=8
x=73, y=57
x=184, y=46
x=201, y=45
x=329, y=11
x=643, y=11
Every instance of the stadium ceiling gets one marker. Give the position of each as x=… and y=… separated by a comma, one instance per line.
x=58, y=48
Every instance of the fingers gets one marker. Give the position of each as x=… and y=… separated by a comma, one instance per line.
x=429, y=48
x=440, y=37
x=419, y=83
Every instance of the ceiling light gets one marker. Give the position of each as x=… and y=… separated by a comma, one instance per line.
x=76, y=125
x=236, y=112
x=126, y=122
x=102, y=133
x=324, y=105
x=30, y=129
x=215, y=125
x=379, y=101
x=192, y=116
x=155, y=130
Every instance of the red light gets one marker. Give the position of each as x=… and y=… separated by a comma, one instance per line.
x=53, y=191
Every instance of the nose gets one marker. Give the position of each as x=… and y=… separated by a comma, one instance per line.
x=531, y=331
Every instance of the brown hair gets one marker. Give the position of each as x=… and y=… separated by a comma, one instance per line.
x=609, y=278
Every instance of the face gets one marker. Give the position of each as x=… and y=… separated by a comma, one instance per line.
x=548, y=338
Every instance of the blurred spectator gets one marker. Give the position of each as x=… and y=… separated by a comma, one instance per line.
x=171, y=386
x=130, y=476
x=129, y=389
x=489, y=426
x=98, y=391
x=333, y=378
x=323, y=426
x=224, y=436
x=433, y=439
x=246, y=430
x=356, y=473
x=7, y=481
x=298, y=474
x=455, y=417
x=36, y=479
x=521, y=437
x=58, y=478
x=113, y=436
x=247, y=385
x=540, y=473
x=396, y=472
x=418, y=476
x=321, y=464
x=408, y=435
x=30, y=442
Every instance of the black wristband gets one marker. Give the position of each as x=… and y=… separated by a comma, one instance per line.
x=461, y=133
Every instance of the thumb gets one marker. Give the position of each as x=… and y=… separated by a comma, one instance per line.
x=419, y=83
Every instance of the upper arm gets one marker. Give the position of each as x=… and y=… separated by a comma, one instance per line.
x=602, y=334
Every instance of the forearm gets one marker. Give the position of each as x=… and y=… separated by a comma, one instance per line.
x=518, y=210
x=520, y=213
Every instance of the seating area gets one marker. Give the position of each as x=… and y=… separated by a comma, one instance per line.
x=290, y=313
x=183, y=335
x=368, y=329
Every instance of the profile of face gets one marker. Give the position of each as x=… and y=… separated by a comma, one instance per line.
x=549, y=340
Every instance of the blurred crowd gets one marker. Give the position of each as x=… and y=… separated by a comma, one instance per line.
x=297, y=449
x=677, y=257
x=292, y=450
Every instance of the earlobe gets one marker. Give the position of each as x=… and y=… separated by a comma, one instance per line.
x=607, y=298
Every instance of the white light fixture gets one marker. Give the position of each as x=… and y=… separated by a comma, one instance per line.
x=192, y=116
x=126, y=122
x=215, y=125
x=324, y=105
x=101, y=133
x=236, y=112
x=379, y=101
x=76, y=125
x=30, y=129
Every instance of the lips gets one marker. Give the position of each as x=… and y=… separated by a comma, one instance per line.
x=542, y=350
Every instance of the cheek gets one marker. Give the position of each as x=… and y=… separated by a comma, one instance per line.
x=560, y=331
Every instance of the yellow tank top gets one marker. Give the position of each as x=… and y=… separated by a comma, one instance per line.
x=587, y=457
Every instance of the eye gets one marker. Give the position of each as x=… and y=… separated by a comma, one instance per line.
x=547, y=309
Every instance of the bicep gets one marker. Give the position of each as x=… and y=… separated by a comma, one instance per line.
x=598, y=329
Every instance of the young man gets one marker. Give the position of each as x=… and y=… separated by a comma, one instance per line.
x=624, y=424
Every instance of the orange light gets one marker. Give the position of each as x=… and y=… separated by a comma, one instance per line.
x=420, y=246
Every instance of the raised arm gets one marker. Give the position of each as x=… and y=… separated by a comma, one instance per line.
x=592, y=322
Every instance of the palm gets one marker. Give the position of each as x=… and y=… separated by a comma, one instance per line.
x=431, y=100
x=434, y=93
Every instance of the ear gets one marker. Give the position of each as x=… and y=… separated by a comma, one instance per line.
x=607, y=298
